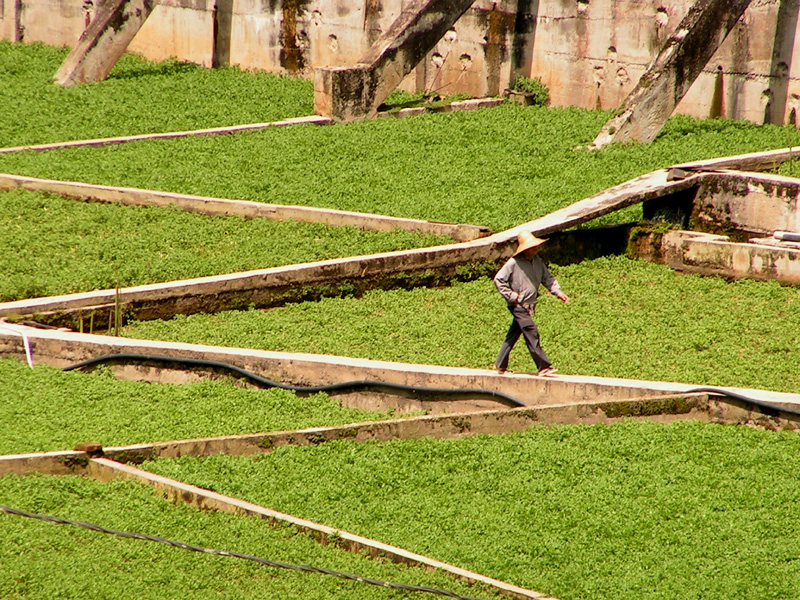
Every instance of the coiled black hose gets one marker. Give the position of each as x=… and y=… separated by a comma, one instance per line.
x=348, y=386
x=772, y=410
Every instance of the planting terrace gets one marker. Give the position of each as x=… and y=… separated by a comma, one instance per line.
x=730, y=195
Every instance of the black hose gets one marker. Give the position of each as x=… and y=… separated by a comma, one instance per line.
x=771, y=410
x=348, y=386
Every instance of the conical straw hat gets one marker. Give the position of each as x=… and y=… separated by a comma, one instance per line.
x=526, y=240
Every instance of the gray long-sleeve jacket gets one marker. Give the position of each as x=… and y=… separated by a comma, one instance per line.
x=518, y=281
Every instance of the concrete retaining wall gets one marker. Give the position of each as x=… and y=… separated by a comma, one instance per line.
x=486, y=422
x=106, y=470
x=709, y=254
x=589, y=54
x=61, y=348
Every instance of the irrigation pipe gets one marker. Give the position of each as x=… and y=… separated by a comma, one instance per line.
x=348, y=386
x=772, y=410
x=26, y=342
x=213, y=551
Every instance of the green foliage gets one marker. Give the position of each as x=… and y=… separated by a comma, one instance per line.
x=632, y=511
x=42, y=561
x=47, y=409
x=626, y=319
x=55, y=246
x=138, y=97
x=534, y=87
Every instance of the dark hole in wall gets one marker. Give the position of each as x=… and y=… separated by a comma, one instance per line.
x=675, y=209
x=573, y=246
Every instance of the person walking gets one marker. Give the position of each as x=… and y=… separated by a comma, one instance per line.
x=518, y=281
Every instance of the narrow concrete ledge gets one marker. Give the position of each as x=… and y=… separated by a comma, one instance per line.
x=478, y=422
x=484, y=422
x=471, y=104
x=698, y=406
x=753, y=161
x=68, y=462
x=60, y=349
x=312, y=120
x=279, y=285
x=242, y=208
x=106, y=470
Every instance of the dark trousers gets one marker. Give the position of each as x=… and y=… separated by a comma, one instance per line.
x=522, y=325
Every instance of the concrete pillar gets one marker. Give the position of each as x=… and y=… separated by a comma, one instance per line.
x=671, y=74
x=12, y=21
x=115, y=24
x=353, y=93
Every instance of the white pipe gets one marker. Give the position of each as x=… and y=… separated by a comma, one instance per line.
x=25, y=341
x=786, y=236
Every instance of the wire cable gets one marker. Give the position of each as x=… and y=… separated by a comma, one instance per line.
x=347, y=386
x=213, y=551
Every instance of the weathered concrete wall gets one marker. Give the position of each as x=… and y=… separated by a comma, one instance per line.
x=590, y=53
x=756, y=203
x=272, y=287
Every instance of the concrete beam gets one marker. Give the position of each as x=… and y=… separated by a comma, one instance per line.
x=671, y=74
x=354, y=93
x=123, y=139
x=276, y=286
x=116, y=23
x=106, y=470
x=244, y=208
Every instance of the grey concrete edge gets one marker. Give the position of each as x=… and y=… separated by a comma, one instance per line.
x=309, y=120
x=753, y=161
x=470, y=104
x=62, y=348
x=245, y=208
x=104, y=470
x=695, y=406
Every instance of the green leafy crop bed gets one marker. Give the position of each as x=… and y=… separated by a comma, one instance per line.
x=43, y=561
x=496, y=167
x=54, y=246
x=631, y=511
x=138, y=97
x=627, y=319
x=634, y=510
x=46, y=409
